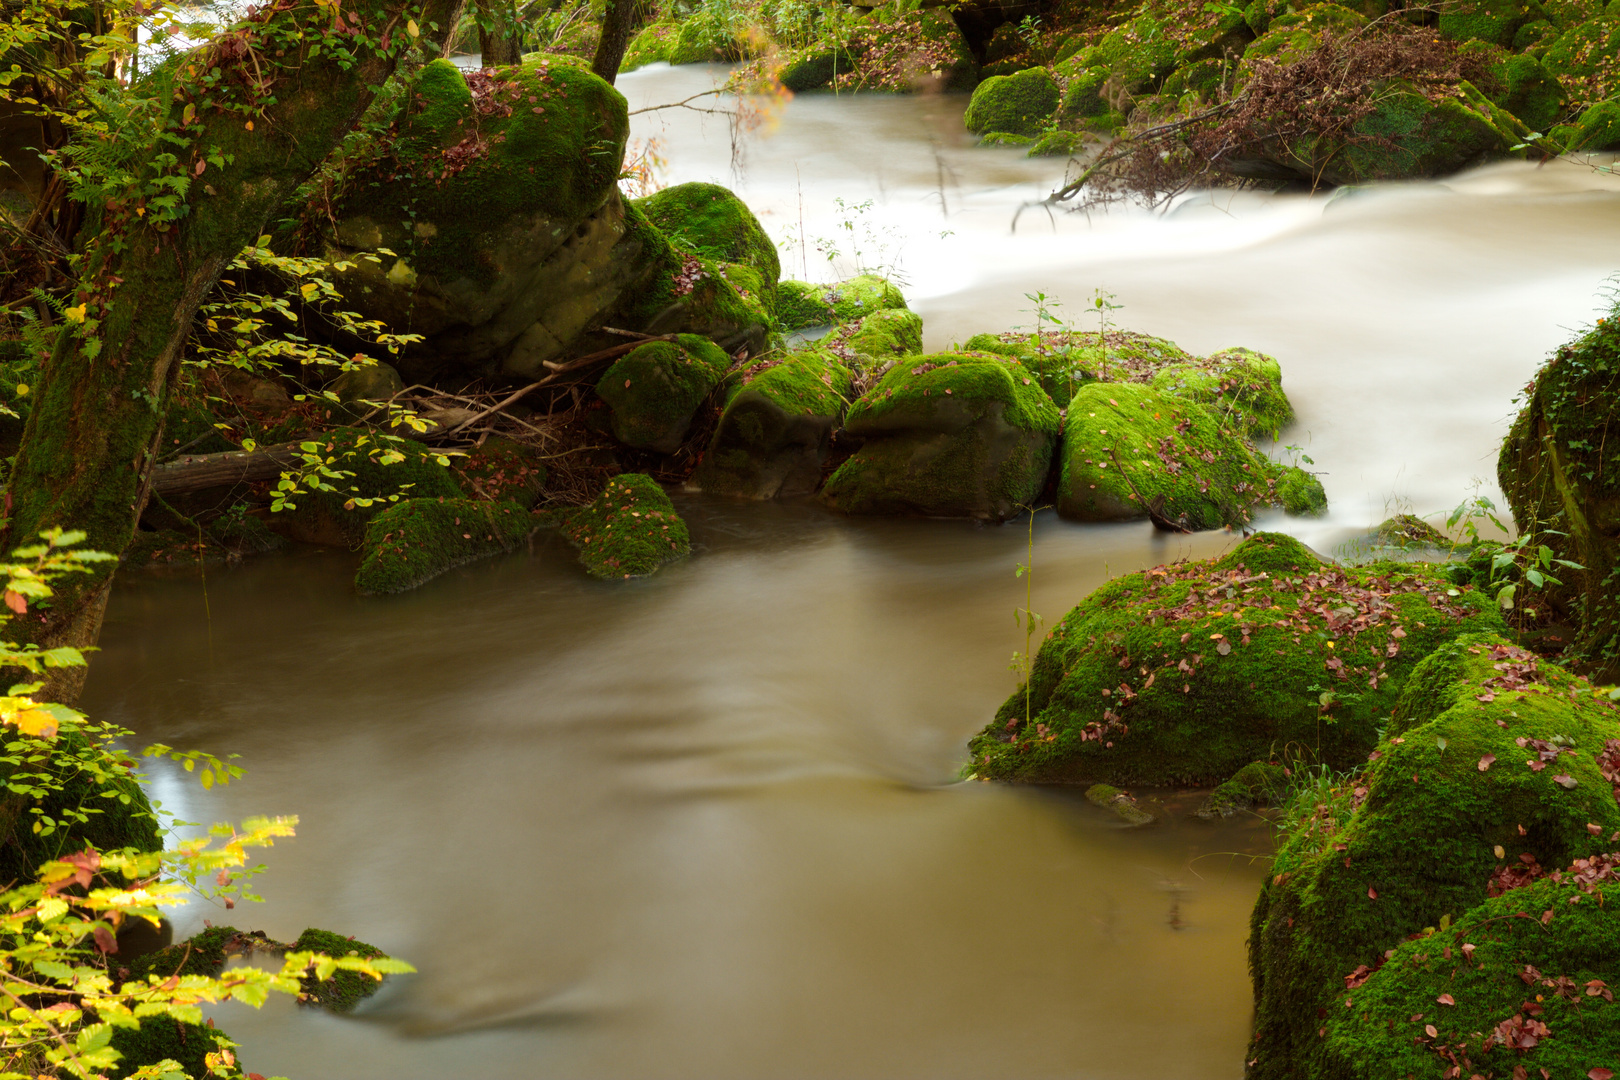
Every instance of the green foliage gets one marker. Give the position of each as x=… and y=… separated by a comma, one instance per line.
x=341, y=989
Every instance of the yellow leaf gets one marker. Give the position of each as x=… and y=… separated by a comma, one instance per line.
x=411, y=28
x=307, y=289
x=36, y=722
x=22, y=389
x=189, y=114
x=249, y=125
x=74, y=314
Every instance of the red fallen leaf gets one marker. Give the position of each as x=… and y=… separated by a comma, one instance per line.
x=201, y=165
x=1431, y=1031
x=1372, y=893
x=1564, y=780
x=1536, y=766
x=1546, y=917
x=1486, y=762
x=1446, y=999
x=1522, y=832
x=1485, y=697
x=1600, y=1073
x=16, y=603
x=1593, y=829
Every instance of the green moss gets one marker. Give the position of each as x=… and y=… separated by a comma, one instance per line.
x=650, y=46
x=680, y=291
x=655, y=390
x=1319, y=17
x=1058, y=144
x=204, y=953
x=501, y=468
x=344, y=989
x=160, y=1037
x=773, y=436
x=630, y=530
x=544, y=144
x=800, y=304
x=716, y=32
x=1020, y=104
x=1410, y=136
x=1281, y=45
x=1202, y=78
x=1495, y=21
x=1598, y=127
x=1534, y=35
x=1582, y=49
x=415, y=541
x=878, y=337
x=947, y=435
x=715, y=223
x=1004, y=138
x=1408, y=530
x=1416, y=844
x=1127, y=448
x=1241, y=384
x=1139, y=53
x=1558, y=471
x=1186, y=673
x=1119, y=803
x=1521, y=85
x=814, y=66
x=1300, y=493
x=1258, y=783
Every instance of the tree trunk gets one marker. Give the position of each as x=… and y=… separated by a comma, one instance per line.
x=500, y=38
x=90, y=443
x=619, y=24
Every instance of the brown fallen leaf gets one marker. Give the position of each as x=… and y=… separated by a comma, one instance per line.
x=1446, y=999
x=1486, y=762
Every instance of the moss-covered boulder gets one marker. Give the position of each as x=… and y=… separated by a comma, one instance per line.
x=1259, y=783
x=1409, y=531
x=1065, y=360
x=1186, y=673
x=773, y=436
x=1130, y=451
x=1082, y=93
x=1407, y=135
x=489, y=220
x=1138, y=53
x=1377, y=948
x=800, y=304
x=92, y=797
x=651, y=45
x=157, y=1038
x=1562, y=480
x=712, y=221
x=203, y=953
x=1597, y=128
x=1495, y=21
x=1521, y=85
x=1020, y=104
x=876, y=338
x=947, y=435
x=415, y=541
x=376, y=473
x=814, y=66
x=655, y=389
x=1243, y=386
x=629, y=530
x=342, y=990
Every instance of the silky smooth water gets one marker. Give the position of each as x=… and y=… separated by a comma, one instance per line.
x=704, y=825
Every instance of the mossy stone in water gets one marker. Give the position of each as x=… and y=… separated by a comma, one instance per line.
x=1258, y=783
x=799, y=304
x=415, y=541
x=1186, y=673
x=203, y=953
x=947, y=435
x=1242, y=385
x=344, y=989
x=629, y=530
x=1020, y=104
x=655, y=390
x=1409, y=530
x=1129, y=448
x=876, y=338
x=1598, y=128
x=651, y=45
x=815, y=66
x=716, y=223
x=1495, y=756
x=773, y=436
x=157, y=1038
x=1119, y=803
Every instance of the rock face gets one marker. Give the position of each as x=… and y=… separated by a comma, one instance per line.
x=947, y=435
x=490, y=223
x=1561, y=483
x=630, y=530
x=773, y=434
x=1187, y=673
x=1452, y=898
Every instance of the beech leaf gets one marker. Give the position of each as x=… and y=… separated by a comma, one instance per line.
x=1564, y=780
x=1446, y=999
x=1486, y=762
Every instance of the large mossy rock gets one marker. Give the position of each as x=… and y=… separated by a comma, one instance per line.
x=948, y=435
x=1243, y=386
x=1494, y=21
x=1376, y=947
x=1186, y=673
x=1561, y=475
x=715, y=223
x=876, y=338
x=814, y=66
x=801, y=305
x=415, y=541
x=773, y=435
x=1129, y=449
x=1019, y=104
x=655, y=390
x=629, y=530
x=652, y=44
x=1406, y=136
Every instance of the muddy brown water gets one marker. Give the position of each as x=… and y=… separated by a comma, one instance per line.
x=704, y=825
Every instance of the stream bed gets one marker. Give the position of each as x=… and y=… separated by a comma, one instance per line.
x=705, y=825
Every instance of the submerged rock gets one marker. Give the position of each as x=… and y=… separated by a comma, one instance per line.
x=342, y=990
x=1452, y=896
x=415, y=541
x=1256, y=784
x=947, y=435
x=654, y=391
x=1186, y=673
x=1408, y=530
x=1123, y=806
x=778, y=420
x=630, y=530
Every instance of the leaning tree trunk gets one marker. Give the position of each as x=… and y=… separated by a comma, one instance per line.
x=619, y=24
x=292, y=80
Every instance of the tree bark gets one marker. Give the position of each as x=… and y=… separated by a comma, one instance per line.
x=619, y=24
x=500, y=44
x=92, y=436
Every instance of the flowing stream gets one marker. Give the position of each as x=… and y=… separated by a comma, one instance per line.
x=704, y=825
